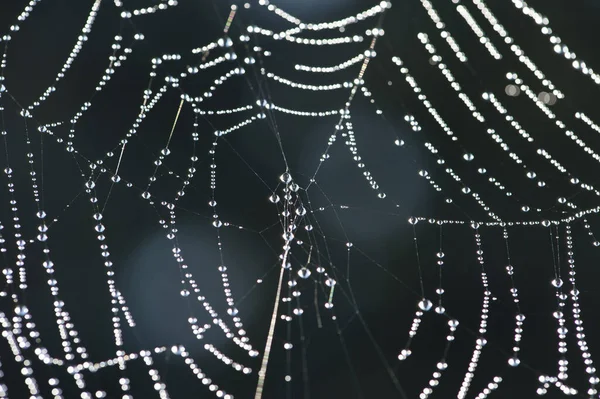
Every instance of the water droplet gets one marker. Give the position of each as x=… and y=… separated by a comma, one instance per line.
x=425, y=305
x=90, y=184
x=301, y=211
x=525, y=208
x=413, y=220
x=531, y=174
x=146, y=195
x=440, y=255
x=274, y=198
x=546, y=223
x=212, y=203
x=514, y=361
x=453, y=323
x=562, y=330
x=298, y=311
x=184, y=293
x=288, y=236
x=285, y=178
x=558, y=315
x=330, y=282
x=557, y=282
x=468, y=157
x=217, y=223
x=304, y=272
x=404, y=354
x=232, y=311
x=21, y=310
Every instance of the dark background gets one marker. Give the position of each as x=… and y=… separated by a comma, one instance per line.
x=378, y=284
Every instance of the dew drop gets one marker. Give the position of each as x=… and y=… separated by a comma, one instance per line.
x=425, y=305
x=232, y=311
x=21, y=310
x=285, y=178
x=304, y=273
x=274, y=198
x=557, y=282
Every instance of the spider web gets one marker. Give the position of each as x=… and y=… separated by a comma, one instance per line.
x=173, y=176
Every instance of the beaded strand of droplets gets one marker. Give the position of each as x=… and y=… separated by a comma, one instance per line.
x=590, y=369
x=552, y=117
x=481, y=341
x=424, y=305
x=577, y=63
x=517, y=51
x=66, y=329
x=540, y=151
x=402, y=144
x=463, y=11
x=563, y=364
x=514, y=361
x=147, y=360
x=442, y=365
x=427, y=104
x=87, y=28
x=159, y=386
x=439, y=24
x=445, y=70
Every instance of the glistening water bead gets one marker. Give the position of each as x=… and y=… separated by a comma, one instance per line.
x=285, y=178
x=304, y=273
x=425, y=305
